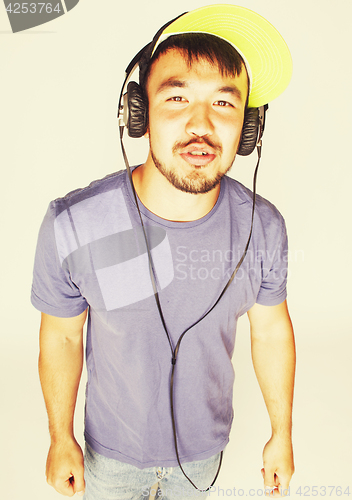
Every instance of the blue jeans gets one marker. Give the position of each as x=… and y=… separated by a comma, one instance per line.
x=109, y=479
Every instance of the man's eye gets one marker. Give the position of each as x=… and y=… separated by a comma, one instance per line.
x=176, y=98
x=222, y=103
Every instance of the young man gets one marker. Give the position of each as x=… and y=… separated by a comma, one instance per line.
x=92, y=253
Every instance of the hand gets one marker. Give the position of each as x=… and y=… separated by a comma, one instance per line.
x=278, y=466
x=65, y=468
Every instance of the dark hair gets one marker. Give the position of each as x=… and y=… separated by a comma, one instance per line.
x=196, y=46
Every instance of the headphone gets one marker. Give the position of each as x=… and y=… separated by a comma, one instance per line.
x=133, y=106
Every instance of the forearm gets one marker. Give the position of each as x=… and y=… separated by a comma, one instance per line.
x=273, y=354
x=60, y=368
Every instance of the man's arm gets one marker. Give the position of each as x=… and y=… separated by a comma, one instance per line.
x=60, y=368
x=273, y=354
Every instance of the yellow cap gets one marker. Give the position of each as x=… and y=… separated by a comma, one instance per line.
x=264, y=51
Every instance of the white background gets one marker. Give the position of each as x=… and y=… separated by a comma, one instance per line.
x=59, y=89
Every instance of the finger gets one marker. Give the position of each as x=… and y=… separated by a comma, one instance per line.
x=267, y=489
x=279, y=489
x=79, y=491
x=269, y=477
x=270, y=486
x=276, y=492
x=67, y=487
x=284, y=483
x=270, y=491
x=78, y=482
x=63, y=487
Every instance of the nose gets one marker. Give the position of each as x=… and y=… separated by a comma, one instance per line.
x=199, y=121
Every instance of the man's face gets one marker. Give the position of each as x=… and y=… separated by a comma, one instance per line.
x=195, y=121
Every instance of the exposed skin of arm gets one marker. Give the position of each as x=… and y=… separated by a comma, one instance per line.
x=273, y=355
x=60, y=368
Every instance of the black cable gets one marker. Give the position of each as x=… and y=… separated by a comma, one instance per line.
x=174, y=351
x=150, y=260
x=259, y=146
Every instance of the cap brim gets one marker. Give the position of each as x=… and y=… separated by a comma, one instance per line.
x=266, y=55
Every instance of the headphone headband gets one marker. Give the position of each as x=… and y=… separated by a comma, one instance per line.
x=144, y=54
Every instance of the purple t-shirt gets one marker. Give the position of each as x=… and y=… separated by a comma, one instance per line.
x=91, y=252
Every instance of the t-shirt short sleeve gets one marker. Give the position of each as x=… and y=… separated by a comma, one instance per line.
x=53, y=291
x=274, y=269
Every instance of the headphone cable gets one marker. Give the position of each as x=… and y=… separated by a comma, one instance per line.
x=174, y=351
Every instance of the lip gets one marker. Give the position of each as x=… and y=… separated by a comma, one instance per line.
x=200, y=160
x=198, y=147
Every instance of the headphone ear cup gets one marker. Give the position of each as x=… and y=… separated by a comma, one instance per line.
x=137, y=111
x=249, y=132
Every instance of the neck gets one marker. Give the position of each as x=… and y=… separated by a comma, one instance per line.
x=160, y=197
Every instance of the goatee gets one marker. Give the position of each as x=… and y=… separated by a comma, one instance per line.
x=196, y=182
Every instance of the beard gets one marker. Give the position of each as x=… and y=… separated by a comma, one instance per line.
x=197, y=182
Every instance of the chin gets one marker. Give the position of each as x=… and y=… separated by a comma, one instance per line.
x=197, y=182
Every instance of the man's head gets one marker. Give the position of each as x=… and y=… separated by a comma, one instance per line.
x=196, y=88
x=246, y=48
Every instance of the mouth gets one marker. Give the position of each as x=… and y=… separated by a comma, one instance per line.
x=198, y=155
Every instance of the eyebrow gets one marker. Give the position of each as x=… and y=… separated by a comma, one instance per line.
x=174, y=82
x=231, y=89
x=170, y=83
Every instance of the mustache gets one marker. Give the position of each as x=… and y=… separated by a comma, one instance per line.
x=200, y=140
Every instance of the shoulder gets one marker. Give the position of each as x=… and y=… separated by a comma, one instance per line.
x=86, y=213
x=91, y=213
x=265, y=212
x=94, y=194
